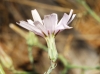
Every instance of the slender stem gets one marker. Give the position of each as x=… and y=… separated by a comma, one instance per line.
x=63, y=60
x=53, y=65
x=52, y=52
x=30, y=56
x=89, y=10
x=42, y=46
x=80, y=67
x=20, y=72
x=65, y=70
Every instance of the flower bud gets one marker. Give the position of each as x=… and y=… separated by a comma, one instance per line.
x=32, y=39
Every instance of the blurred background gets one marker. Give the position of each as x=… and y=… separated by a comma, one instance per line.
x=79, y=47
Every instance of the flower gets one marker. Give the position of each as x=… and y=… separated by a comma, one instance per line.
x=48, y=28
x=49, y=25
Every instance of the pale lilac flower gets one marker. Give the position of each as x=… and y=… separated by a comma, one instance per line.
x=49, y=25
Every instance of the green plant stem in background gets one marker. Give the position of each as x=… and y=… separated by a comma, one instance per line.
x=83, y=71
x=41, y=46
x=93, y=14
x=31, y=40
x=80, y=67
x=64, y=71
x=65, y=63
x=21, y=72
x=1, y=70
x=63, y=60
x=31, y=56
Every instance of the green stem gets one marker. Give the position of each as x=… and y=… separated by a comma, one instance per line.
x=52, y=51
x=65, y=70
x=65, y=63
x=20, y=72
x=80, y=67
x=83, y=71
x=63, y=60
x=89, y=10
x=30, y=56
x=42, y=46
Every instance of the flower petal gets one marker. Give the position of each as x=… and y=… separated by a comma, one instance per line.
x=41, y=27
x=30, y=22
x=71, y=19
x=70, y=14
x=50, y=21
x=29, y=27
x=36, y=16
x=63, y=24
x=25, y=25
x=59, y=30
